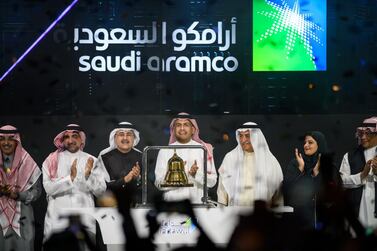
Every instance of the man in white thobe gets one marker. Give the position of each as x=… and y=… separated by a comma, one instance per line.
x=184, y=131
x=250, y=171
x=70, y=180
x=359, y=173
x=19, y=186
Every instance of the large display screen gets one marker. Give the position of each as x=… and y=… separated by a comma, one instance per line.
x=202, y=57
x=289, y=35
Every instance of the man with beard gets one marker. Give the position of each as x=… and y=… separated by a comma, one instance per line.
x=184, y=131
x=122, y=160
x=19, y=186
x=70, y=180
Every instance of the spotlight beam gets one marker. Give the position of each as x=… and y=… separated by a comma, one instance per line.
x=69, y=7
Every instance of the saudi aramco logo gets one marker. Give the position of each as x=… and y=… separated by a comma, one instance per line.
x=289, y=35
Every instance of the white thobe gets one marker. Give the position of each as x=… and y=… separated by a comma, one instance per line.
x=366, y=212
x=194, y=193
x=240, y=177
x=62, y=192
x=247, y=178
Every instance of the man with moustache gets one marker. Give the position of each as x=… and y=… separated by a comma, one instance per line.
x=184, y=131
x=70, y=180
x=250, y=171
x=359, y=173
x=122, y=160
x=19, y=186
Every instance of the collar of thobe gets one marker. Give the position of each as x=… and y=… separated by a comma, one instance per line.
x=191, y=142
x=248, y=154
x=68, y=153
x=8, y=158
x=7, y=161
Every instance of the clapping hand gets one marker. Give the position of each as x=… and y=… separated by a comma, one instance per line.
x=88, y=167
x=300, y=160
x=373, y=165
x=74, y=169
x=194, y=168
x=8, y=191
x=316, y=167
x=133, y=174
x=365, y=172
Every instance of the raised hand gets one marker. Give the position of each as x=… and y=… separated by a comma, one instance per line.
x=317, y=165
x=136, y=170
x=194, y=168
x=88, y=167
x=133, y=174
x=374, y=165
x=366, y=169
x=74, y=169
x=6, y=190
x=9, y=191
x=300, y=160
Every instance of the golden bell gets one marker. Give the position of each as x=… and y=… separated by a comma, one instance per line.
x=176, y=176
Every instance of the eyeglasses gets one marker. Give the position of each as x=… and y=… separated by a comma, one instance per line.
x=366, y=132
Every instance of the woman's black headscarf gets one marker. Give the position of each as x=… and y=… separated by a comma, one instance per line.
x=311, y=161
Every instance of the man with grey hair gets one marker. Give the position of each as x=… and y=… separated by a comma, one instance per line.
x=122, y=160
x=359, y=173
x=250, y=171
